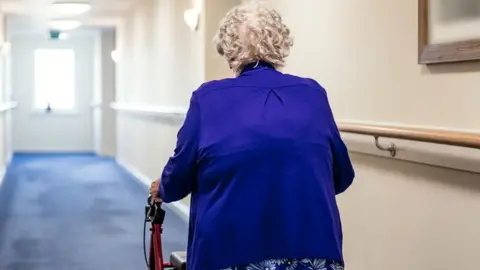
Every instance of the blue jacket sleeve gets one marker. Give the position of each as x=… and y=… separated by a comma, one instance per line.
x=343, y=172
x=179, y=175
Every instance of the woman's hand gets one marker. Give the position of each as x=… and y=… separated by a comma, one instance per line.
x=154, y=191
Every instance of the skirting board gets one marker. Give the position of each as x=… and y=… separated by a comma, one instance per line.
x=2, y=175
x=3, y=169
x=179, y=208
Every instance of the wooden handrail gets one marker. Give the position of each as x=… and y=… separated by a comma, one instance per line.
x=453, y=138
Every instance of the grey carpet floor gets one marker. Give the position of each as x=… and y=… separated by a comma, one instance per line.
x=75, y=212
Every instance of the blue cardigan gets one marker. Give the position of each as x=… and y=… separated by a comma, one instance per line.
x=262, y=158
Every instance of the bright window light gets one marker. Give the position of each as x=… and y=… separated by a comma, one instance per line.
x=69, y=9
x=65, y=25
x=64, y=36
x=54, y=79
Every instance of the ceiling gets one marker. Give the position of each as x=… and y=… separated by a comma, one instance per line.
x=32, y=16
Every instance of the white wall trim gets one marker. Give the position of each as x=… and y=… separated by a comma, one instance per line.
x=175, y=115
x=3, y=171
x=7, y=106
x=149, y=109
x=100, y=106
x=96, y=105
x=179, y=208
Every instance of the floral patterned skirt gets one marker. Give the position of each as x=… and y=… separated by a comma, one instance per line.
x=292, y=264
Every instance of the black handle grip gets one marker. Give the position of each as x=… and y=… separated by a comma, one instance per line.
x=154, y=211
x=151, y=202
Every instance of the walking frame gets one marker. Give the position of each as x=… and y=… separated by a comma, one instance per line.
x=155, y=215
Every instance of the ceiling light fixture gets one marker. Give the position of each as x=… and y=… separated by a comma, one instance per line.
x=65, y=25
x=69, y=9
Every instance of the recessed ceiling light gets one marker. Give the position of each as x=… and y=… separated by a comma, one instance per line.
x=65, y=9
x=65, y=25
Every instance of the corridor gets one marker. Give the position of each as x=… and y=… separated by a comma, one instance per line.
x=306, y=134
x=75, y=211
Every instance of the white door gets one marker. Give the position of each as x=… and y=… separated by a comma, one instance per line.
x=52, y=82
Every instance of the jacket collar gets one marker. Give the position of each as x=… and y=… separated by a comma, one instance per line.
x=257, y=66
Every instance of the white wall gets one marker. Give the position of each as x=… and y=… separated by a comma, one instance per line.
x=140, y=141
x=96, y=104
x=5, y=102
x=162, y=74
x=104, y=120
x=57, y=132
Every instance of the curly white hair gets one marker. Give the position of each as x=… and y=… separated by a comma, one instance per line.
x=250, y=33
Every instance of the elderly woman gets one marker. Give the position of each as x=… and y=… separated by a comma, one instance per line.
x=262, y=158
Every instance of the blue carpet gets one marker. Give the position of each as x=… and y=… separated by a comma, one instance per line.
x=76, y=212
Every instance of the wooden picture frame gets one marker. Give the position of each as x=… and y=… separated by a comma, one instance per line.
x=458, y=51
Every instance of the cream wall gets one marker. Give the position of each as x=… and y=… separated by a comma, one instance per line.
x=215, y=66
x=162, y=63
x=398, y=215
x=5, y=114
x=367, y=51
x=104, y=93
x=146, y=72
x=3, y=97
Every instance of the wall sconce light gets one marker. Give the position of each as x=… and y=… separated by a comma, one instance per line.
x=192, y=17
x=115, y=56
x=5, y=48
